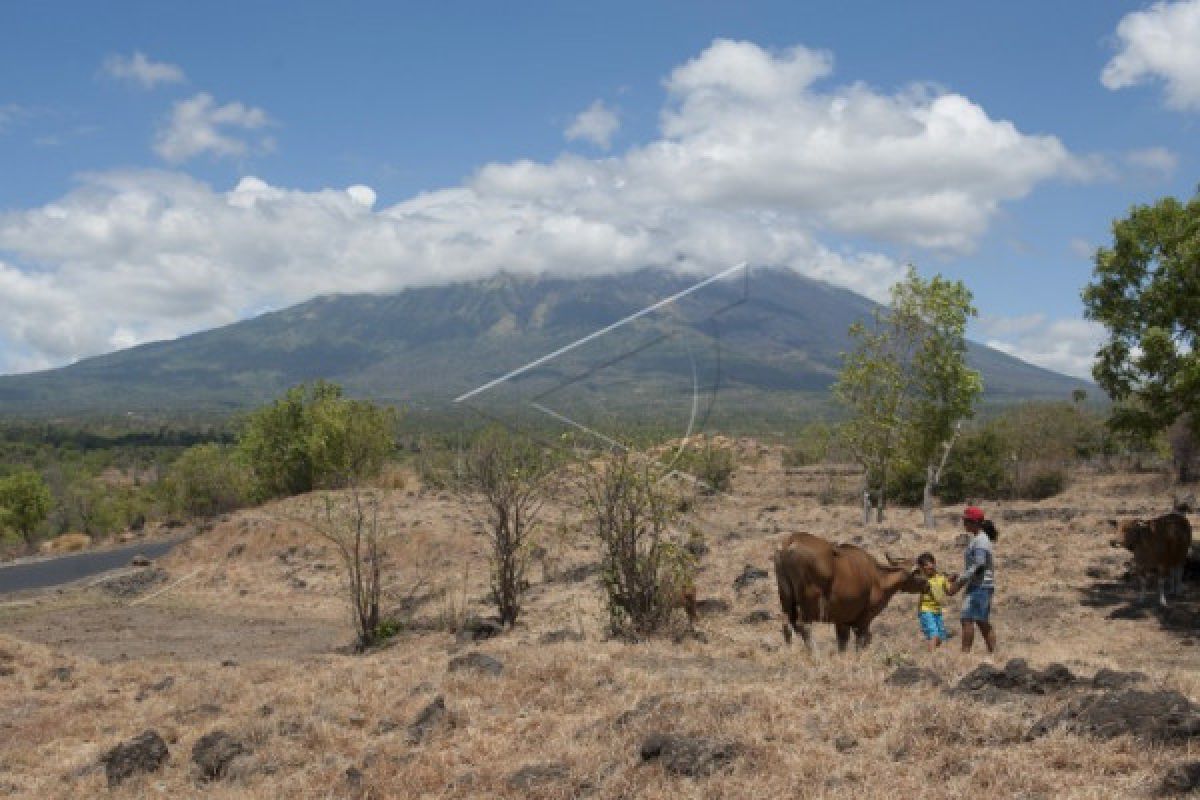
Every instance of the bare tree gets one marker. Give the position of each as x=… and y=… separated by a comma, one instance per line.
x=354, y=532
x=509, y=476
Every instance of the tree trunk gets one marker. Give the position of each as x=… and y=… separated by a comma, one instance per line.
x=927, y=496
x=866, y=495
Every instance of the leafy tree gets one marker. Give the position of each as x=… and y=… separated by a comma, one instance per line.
x=313, y=437
x=1146, y=292
x=206, y=480
x=24, y=502
x=907, y=383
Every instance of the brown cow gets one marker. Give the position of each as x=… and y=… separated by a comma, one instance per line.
x=822, y=582
x=1160, y=548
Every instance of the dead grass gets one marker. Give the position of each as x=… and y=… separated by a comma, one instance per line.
x=312, y=716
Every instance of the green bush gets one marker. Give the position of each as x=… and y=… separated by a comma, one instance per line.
x=206, y=480
x=713, y=466
x=976, y=469
x=906, y=485
x=312, y=438
x=24, y=502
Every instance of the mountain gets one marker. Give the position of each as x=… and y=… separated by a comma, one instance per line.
x=767, y=339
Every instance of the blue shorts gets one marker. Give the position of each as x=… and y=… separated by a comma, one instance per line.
x=978, y=604
x=932, y=625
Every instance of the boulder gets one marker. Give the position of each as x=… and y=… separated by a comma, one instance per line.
x=533, y=775
x=144, y=753
x=909, y=675
x=1161, y=717
x=430, y=718
x=212, y=753
x=476, y=662
x=749, y=575
x=693, y=756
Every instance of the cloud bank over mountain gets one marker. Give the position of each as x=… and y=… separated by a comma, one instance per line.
x=759, y=157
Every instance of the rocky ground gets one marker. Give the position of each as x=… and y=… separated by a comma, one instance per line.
x=222, y=670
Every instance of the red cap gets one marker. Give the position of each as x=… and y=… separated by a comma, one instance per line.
x=973, y=514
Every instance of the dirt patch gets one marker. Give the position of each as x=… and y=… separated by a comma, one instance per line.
x=118, y=633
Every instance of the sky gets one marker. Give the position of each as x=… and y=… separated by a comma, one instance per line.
x=168, y=167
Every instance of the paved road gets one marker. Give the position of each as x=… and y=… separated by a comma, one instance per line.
x=65, y=569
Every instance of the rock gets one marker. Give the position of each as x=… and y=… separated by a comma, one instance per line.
x=139, y=561
x=133, y=584
x=696, y=547
x=1157, y=717
x=693, y=756
x=477, y=662
x=1112, y=679
x=61, y=674
x=144, y=753
x=1018, y=677
x=531, y=775
x=229, y=662
x=845, y=743
x=1181, y=779
x=909, y=675
x=236, y=550
x=356, y=721
x=560, y=635
x=749, y=575
x=712, y=605
x=161, y=686
x=213, y=752
x=476, y=629
x=756, y=617
x=430, y=718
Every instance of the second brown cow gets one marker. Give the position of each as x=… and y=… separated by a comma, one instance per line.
x=840, y=584
x=1160, y=549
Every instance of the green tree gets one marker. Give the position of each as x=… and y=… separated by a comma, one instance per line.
x=1146, y=292
x=206, y=480
x=314, y=437
x=24, y=502
x=908, y=385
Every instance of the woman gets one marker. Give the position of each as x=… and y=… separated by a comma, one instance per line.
x=978, y=578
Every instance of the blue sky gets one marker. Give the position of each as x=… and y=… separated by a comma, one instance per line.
x=169, y=167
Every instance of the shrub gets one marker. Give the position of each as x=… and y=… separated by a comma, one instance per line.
x=508, y=475
x=24, y=502
x=353, y=529
x=713, y=466
x=206, y=480
x=313, y=437
x=976, y=469
x=1045, y=482
x=644, y=569
x=814, y=444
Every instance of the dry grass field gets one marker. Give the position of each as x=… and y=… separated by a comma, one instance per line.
x=248, y=642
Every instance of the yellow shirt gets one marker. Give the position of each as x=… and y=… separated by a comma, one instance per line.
x=934, y=597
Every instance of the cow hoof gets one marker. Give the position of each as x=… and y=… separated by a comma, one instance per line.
x=787, y=634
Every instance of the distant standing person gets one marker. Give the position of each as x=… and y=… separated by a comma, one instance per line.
x=978, y=579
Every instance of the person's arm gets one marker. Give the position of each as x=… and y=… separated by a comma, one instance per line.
x=975, y=568
x=952, y=584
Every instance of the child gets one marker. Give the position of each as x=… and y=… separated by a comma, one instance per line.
x=929, y=611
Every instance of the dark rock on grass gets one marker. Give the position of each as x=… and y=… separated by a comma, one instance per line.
x=845, y=743
x=429, y=719
x=697, y=547
x=1162, y=717
x=1112, y=679
x=910, y=675
x=712, y=605
x=477, y=662
x=1181, y=779
x=212, y=753
x=693, y=756
x=144, y=753
x=749, y=575
x=1017, y=677
x=134, y=583
x=476, y=629
x=533, y=775
x=756, y=617
x=62, y=674
x=561, y=635
x=160, y=686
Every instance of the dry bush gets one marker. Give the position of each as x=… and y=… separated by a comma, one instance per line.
x=644, y=569
x=353, y=529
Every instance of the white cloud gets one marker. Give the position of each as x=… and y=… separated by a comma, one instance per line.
x=753, y=163
x=198, y=125
x=141, y=70
x=1064, y=345
x=1082, y=248
x=1161, y=42
x=596, y=124
x=11, y=113
x=1157, y=160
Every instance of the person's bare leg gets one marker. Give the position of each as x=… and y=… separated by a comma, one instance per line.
x=968, y=635
x=989, y=635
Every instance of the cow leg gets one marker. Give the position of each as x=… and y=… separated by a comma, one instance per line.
x=843, y=637
x=1162, y=587
x=805, y=630
x=862, y=638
